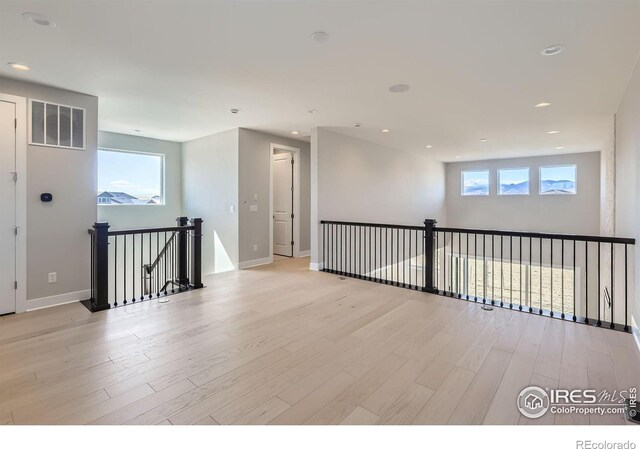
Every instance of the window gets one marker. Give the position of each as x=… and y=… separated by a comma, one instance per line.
x=475, y=182
x=129, y=178
x=559, y=180
x=513, y=181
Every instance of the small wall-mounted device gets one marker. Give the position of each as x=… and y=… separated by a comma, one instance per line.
x=46, y=197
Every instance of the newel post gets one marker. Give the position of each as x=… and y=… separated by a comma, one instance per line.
x=429, y=255
x=100, y=255
x=196, y=253
x=183, y=276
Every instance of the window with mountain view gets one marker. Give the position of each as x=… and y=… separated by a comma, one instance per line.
x=559, y=180
x=129, y=178
x=475, y=183
x=513, y=181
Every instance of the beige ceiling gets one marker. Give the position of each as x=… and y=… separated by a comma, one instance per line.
x=174, y=69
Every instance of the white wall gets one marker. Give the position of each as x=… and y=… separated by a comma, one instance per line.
x=573, y=214
x=627, y=170
x=59, y=227
x=141, y=216
x=209, y=190
x=356, y=180
x=254, y=172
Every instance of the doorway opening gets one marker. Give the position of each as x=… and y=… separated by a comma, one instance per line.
x=285, y=201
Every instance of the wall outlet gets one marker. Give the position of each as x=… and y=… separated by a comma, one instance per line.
x=53, y=278
x=255, y=247
x=253, y=208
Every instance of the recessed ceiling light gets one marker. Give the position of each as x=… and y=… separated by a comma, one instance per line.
x=385, y=130
x=38, y=19
x=19, y=66
x=559, y=148
x=234, y=110
x=429, y=146
x=552, y=50
x=398, y=88
x=555, y=131
x=312, y=111
x=483, y=140
x=319, y=36
x=542, y=105
x=358, y=125
x=295, y=133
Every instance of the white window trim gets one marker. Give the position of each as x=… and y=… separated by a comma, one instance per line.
x=162, y=177
x=513, y=194
x=557, y=166
x=475, y=171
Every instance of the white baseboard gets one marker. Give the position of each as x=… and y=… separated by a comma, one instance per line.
x=316, y=266
x=306, y=253
x=57, y=300
x=255, y=262
x=636, y=332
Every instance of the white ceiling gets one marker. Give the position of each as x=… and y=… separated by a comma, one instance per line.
x=174, y=69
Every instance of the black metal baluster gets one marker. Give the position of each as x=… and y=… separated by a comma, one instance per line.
x=148, y=269
x=451, y=251
x=484, y=269
x=475, y=266
x=520, y=273
x=493, y=270
x=444, y=277
x=612, y=325
x=501, y=271
x=410, y=247
x=574, y=281
x=511, y=272
x=404, y=247
x=540, y=310
x=141, y=267
x=586, y=282
x=551, y=268
x=467, y=270
x=173, y=265
x=626, y=325
x=459, y=268
x=599, y=297
x=115, y=271
x=530, y=273
x=562, y=278
x=124, y=269
x=164, y=263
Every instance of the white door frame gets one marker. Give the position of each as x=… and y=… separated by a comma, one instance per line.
x=296, y=196
x=21, y=198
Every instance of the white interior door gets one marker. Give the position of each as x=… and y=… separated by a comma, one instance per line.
x=7, y=207
x=283, y=204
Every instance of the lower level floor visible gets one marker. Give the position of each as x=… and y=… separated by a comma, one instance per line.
x=284, y=345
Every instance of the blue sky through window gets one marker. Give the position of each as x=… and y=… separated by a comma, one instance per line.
x=475, y=183
x=513, y=181
x=560, y=180
x=139, y=175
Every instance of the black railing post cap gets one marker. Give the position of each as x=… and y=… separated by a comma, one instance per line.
x=430, y=222
x=101, y=224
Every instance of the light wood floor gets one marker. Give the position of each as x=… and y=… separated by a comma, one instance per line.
x=280, y=344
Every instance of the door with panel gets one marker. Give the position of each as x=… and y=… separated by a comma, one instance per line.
x=283, y=204
x=8, y=228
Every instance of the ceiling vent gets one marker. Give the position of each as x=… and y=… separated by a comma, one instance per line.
x=56, y=125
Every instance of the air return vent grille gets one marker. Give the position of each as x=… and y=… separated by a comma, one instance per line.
x=56, y=125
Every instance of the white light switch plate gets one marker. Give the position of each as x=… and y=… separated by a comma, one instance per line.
x=253, y=208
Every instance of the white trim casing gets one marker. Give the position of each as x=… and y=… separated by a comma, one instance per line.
x=57, y=300
x=255, y=263
x=306, y=253
x=21, y=198
x=316, y=266
x=296, y=196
